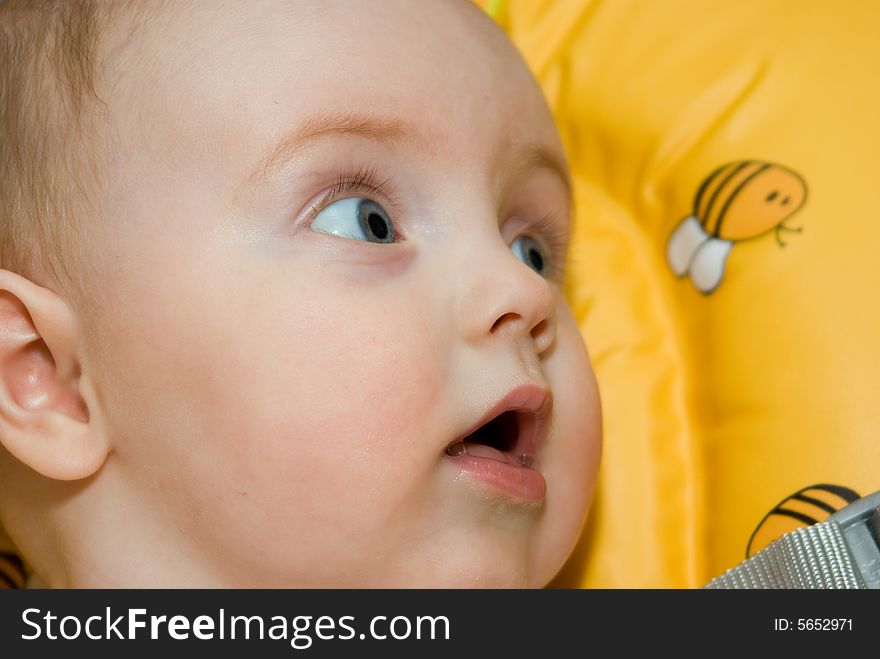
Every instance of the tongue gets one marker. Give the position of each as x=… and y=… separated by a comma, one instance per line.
x=483, y=451
x=479, y=451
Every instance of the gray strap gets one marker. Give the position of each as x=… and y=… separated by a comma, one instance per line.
x=841, y=552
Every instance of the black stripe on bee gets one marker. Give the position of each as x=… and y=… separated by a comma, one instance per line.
x=817, y=509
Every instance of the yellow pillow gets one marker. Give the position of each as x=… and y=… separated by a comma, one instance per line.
x=724, y=268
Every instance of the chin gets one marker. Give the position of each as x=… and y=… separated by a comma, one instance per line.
x=489, y=570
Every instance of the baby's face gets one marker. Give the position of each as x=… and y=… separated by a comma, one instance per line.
x=329, y=250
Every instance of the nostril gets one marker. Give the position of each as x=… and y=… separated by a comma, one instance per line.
x=544, y=335
x=540, y=329
x=503, y=320
x=541, y=333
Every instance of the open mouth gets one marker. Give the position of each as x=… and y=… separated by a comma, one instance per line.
x=501, y=449
x=502, y=438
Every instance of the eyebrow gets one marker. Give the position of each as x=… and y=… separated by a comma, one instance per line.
x=377, y=129
x=388, y=130
x=533, y=156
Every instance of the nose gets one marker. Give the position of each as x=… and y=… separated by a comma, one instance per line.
x=505, y=298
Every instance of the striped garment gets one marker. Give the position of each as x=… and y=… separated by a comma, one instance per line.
x=12, y=572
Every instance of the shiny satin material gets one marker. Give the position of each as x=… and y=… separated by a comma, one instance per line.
x=717, y=404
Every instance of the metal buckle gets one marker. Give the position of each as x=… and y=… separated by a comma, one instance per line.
x=860, y=524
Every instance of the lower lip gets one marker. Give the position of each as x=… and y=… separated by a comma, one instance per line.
x=514, y=480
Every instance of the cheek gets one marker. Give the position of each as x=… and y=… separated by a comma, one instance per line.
x=328, y=395
x=270, y=402
x=576, y=394
x=345, y=361
x=578, y=432
x=574, y=453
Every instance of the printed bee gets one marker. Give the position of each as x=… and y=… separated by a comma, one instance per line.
x=805, y=507
x=739, y=201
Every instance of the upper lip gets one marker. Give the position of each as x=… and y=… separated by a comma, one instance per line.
x=533, y=404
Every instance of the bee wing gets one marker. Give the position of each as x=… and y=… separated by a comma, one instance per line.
x=683, y=244
x=707, y=266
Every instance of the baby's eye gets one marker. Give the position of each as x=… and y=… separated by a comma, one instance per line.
x=529, y=251
x=355, y=217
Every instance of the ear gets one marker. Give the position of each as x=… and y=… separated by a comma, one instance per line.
x=44, y=421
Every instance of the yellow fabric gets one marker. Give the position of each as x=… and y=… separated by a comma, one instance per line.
x=717, y=404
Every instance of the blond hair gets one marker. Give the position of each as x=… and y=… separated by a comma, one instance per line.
x=48, y=51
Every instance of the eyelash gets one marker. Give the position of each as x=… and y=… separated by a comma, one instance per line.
x=362, y=181
x=555, y=239
x=366, y=181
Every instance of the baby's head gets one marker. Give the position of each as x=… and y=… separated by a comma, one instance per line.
x=291, y=314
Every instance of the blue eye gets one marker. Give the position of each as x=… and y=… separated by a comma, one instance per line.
x=355, y=217
x=529, y=251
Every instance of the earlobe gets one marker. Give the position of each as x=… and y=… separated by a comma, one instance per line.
x=44, y=420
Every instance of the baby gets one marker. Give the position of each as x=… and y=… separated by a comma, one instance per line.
x=280, y=299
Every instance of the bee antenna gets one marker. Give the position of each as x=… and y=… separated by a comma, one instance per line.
x=781, y=227
x=776, y=235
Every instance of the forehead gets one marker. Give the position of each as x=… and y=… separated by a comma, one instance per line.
x=209, y=73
